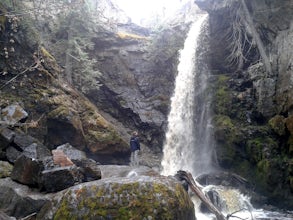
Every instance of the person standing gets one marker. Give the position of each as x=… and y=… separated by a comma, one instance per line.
x=134, y=148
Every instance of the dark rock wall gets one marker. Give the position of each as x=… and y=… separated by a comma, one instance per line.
x=253, y=100
x=137, y=80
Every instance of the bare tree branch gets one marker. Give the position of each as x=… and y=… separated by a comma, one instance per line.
x=30, y=68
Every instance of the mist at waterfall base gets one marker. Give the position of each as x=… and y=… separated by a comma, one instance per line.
x=189, y=145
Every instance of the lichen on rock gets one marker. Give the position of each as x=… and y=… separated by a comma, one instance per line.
x=116, y=198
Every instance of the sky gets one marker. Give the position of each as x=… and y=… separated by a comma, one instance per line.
x=144, y=9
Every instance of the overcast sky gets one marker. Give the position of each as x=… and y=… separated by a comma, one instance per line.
x=142, y=9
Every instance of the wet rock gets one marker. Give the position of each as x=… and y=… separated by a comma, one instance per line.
x=18, y=200
x=140, y=197
x=5, y=169
x=268, y=107
x=13, y=114
x=224, y=179
x=60, y=178
x=265, y=96
x=230, y=181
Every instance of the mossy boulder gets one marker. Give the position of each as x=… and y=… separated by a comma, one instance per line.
x=141, y=197
x=277, y=123
x=73, y=119
x=269, y=178
x=289, y=124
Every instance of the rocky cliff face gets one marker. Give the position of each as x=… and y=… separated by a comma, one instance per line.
x=127, y=71
x=251, y=44
x=136, y=66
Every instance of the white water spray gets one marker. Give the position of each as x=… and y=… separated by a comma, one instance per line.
x=187, y=138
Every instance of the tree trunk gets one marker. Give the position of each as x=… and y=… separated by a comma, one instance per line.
x=197, y=190
x=257, y=39
x=68, y=59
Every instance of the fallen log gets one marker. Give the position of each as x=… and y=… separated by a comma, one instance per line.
x=197, y=190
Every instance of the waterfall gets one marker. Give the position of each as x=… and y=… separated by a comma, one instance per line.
x=188, y=145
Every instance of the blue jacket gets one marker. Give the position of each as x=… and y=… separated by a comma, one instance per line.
x=134, y=144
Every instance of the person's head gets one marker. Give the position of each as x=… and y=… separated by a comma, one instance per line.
x=135, y=133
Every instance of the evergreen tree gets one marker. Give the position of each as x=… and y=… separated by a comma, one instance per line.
x=80, y=68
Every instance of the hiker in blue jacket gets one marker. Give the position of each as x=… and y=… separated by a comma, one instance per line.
x=134, y=148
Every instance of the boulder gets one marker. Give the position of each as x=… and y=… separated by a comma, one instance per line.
x=36, y=151
x=27, y=145
x=12, y=114
x=27, y=170
x=60, y=178
x=278, y=124
x=6, y=137
x=72, y=153
x=90, y=169
x=23, y=140
x=60, y=159
x=289, y=124
x=69, y=155
x=140, y=197
x=18, y=200
x=12, y=154
x=27, y=154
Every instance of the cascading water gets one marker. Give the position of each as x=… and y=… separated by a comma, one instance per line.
x=188, y=144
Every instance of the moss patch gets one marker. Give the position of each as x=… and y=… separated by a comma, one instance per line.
x=261, y=148
x=46, y=54
x=222, y=102
x=131, y=200
x=5, y=169
x=277, y=123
